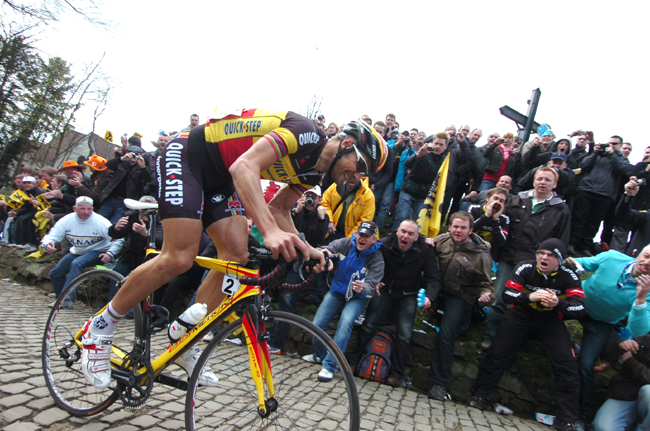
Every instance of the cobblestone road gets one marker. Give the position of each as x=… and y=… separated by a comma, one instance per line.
x=25, y=403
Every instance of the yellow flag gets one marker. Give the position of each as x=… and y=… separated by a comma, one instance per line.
x=109, y=136
x=137, y=134
x=43, y=201
x=430, y=218
x=17, y=199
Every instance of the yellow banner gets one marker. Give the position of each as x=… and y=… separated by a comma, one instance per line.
x=109, y=136
x=17, y=199
x=430, y=218
x=43, y=202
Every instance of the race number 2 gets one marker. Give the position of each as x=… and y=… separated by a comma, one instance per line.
x=230, y=285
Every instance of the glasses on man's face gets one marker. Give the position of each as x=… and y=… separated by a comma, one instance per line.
x=361, y=170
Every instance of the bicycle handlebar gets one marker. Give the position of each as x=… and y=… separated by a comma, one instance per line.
x=280, y=269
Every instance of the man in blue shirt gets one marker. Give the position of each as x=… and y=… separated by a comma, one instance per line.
x=617, y=288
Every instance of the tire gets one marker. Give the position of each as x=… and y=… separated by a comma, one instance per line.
x=303, y=403
x=66, y=384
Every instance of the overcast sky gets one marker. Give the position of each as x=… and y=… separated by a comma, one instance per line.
x=431, y=64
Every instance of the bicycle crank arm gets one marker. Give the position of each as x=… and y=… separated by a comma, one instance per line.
x=166, y=380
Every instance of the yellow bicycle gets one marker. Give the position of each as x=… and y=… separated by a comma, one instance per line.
x=256, y=390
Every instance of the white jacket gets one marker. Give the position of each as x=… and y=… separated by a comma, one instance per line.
x=84, y=235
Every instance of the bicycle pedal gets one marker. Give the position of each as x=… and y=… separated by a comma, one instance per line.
x=264, y=336
x=159, y=316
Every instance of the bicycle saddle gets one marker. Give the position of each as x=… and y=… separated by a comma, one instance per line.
x=137, y=205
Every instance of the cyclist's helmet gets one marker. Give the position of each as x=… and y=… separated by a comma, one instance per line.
x=369, y=142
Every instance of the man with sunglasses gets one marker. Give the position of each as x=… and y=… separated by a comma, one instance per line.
x=618, y=288
x=210, y=178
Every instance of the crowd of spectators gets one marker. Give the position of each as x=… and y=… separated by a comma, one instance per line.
x=512, y=206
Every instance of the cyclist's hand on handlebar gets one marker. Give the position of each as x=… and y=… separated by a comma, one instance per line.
x=320, y=256
x=286, y=244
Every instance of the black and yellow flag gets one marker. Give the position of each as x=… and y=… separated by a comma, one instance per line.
x=430, y=218
x=109, y=136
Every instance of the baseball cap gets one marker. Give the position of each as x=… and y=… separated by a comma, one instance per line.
x=555, y=246
x=315, y=190
x=368, y=228
x=320, y=117
x=561, y=156
x=83, y=200
x=29, y=180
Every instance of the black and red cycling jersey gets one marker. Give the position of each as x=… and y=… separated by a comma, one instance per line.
x=526, y=279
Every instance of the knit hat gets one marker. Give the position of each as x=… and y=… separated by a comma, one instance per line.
x=555, y=246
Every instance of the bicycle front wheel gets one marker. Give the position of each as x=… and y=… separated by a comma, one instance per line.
x=61, y=355
x=303, y=402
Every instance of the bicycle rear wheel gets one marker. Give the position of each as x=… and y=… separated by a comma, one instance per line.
x=303, y=402
x=61, y=356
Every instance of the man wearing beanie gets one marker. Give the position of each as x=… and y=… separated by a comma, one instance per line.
x=542, y=293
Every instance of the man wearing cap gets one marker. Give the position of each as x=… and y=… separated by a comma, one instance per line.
x=361, y=267
x=409, y=262
x=542, y=293
x=133, y=177
x=91, y=245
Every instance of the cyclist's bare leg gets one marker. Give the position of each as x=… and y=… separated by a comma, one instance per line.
x=230, y=236
x=180, y=247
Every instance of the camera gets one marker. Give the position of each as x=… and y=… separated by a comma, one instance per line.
x=136, y=157
x=309, y=201
x=641, y=181
x=407, y=139
x=603, y=146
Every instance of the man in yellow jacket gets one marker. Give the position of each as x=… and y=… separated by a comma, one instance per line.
x=347, y=206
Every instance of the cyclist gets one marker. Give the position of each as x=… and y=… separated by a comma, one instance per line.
x=209, y=178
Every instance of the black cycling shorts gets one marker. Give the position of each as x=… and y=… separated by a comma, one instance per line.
x=194, y=182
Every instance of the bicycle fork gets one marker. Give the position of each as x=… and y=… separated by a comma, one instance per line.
x=259, y=356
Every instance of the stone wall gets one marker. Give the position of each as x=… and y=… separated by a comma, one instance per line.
x=526, y=387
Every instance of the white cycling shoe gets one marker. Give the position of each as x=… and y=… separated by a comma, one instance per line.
x=188, y=362
x=96, y=357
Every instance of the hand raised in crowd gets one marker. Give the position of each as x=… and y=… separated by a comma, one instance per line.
x=629, y=346
x=137, y=227
x=536, y=142
x=3, y=204
x=322, y=212
x=331, y=228
x=471, y=195
x=494, y=210
x=632, y=187
x=49, y=248
x=141, y=162
x=48, y=214
x=11, y=213
x=34, y=201
x=300, y=204
x=53, y=194
x=130, y=157
x=642, y=288
x=105, y=258
x=121, y=223
x=75, y=180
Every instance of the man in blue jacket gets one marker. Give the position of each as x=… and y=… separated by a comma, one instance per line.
x=618, y=288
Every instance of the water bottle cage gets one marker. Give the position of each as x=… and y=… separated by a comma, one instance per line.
x=181, y=322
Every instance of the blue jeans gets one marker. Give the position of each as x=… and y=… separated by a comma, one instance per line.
x=113, y=209
x=383, y=208
x=73, y=266
x=407, y=207
x=455, y=324
x=595, y=335
x=487, y=185
x=325, y=313
x=495, y=315
x=393, y=308
x=617, y=415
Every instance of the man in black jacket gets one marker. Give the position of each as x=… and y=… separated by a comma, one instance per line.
x=133, y=176
x=424, y=166
x=408, y=261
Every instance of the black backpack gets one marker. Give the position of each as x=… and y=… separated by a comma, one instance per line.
x=375, y=363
